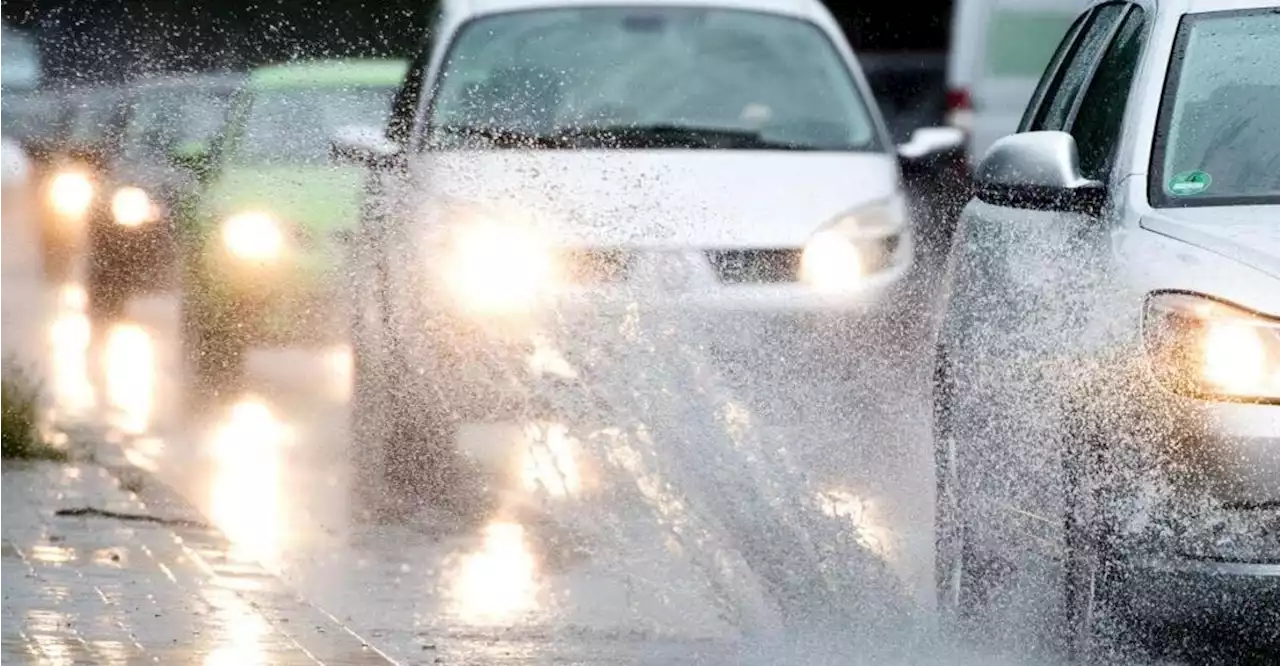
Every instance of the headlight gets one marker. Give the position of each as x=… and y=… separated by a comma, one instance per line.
x=70, y=193
x=253, y=236
x=1208, y=349
x=131, y=207
x=831, y=262
x=493, y=267
x=852, y=246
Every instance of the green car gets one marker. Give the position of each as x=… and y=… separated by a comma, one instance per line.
x=261, y=244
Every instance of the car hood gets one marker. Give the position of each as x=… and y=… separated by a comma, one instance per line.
x=321, y=199
x=664, y=198
x=1247, y=234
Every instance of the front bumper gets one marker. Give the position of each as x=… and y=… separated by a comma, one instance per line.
x=482, y=365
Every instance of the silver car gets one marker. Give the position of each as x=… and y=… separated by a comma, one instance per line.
x=553, y=166
x=1107, y=377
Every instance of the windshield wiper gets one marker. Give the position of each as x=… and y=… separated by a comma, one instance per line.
x=499, y=137
x=673, y=136
x=621, y=136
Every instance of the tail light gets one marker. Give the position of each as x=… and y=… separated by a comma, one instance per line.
x=960, y=109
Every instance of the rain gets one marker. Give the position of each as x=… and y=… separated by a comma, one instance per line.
x=641, y=332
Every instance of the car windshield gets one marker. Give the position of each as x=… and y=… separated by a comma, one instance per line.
x=164, y=119
x=665, y=77
x=1219, y=131
x=295, y=125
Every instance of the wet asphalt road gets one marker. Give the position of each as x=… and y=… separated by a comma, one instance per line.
x=708, y=515
x=594, y=539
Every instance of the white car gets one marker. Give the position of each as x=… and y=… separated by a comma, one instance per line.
x=1107, y=384
x=569, y=160
x=998, y=50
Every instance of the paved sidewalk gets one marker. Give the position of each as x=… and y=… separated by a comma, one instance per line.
x=142, y=584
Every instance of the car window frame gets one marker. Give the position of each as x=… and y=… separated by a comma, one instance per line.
x=407, y=107
x=1143, y=36
x=1070, y=42
x=1045, y=103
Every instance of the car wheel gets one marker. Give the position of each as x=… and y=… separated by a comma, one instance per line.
x=967, y=577
x=1091, y=568
x=407, y=429
x=954, y=569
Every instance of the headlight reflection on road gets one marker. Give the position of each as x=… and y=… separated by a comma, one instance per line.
x=246, y=450
x=496, y=584
x=241, y=631
x=872, y=533
x=549, y=462
x=129, y=361
x=70, y=337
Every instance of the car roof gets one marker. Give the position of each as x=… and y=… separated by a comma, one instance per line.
x=807, y=9
x=329, y=73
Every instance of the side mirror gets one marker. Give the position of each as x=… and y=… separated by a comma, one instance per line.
x=363, y=144
x=196, y=158
x=929, y=143
x=1040, y=171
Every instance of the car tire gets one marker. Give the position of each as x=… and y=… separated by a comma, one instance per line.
x=965, y=575
x=403, y=451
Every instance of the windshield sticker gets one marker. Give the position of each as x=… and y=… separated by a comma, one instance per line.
x=1189, y=182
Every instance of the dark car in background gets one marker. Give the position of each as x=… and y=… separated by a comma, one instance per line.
x=904, y=52
x=130, y=244
x=911, y=88
x=67, y=151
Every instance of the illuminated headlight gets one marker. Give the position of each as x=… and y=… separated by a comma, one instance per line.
x=849, y=248
x=253, y=236
x=131, y=207
x=71, y=193
x=1204, y=348
x=494, y=268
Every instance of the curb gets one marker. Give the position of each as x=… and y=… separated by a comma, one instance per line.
x=313, y=630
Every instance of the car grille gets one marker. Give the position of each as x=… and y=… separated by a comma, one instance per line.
x=595, y=266
x=778, y=266
x=755, y=266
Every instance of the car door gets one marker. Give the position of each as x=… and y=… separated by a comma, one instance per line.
x=372, y=246
x=1024, y=281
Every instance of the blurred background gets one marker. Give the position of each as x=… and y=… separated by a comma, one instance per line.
x=88, y=40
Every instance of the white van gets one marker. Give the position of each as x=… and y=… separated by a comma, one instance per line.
x=999, y=49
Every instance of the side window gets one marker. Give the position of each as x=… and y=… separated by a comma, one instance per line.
x=1099, y=115
x=1050, y=71
x=1059, y=99
x=404, y=108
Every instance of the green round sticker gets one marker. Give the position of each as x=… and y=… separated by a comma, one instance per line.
x=1189, y=182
